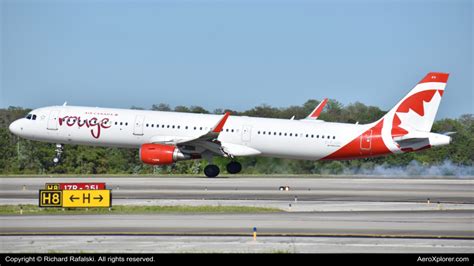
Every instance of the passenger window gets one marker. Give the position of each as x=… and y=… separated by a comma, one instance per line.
x=121, y=123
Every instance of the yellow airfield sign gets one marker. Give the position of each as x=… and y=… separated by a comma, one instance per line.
x=93, y=198
x=50, y=198
x=52, y=186
x=86, y=198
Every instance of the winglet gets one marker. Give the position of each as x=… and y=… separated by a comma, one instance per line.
x=317, y=111
x=218, y=128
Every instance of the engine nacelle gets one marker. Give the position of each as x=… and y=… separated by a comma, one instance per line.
x=158, y=154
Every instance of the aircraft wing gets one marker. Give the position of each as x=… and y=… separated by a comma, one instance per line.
x=212, y=134
x=207, y=141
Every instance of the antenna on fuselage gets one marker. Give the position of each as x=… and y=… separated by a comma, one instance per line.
x=65, y=103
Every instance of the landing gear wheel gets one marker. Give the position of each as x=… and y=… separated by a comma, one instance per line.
x=59, y=151
x=234, y=167
x=211, y=170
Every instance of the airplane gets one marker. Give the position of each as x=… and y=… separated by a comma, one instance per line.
x=165, y=138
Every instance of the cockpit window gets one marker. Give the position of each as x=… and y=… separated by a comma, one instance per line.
x=31, y=117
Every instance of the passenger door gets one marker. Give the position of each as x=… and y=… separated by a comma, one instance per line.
x=366, y=142
x=53, y=120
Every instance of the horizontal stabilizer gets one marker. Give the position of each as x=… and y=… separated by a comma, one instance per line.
x=417, y=140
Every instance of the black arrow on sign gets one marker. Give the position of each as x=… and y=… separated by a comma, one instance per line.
x=72, y=198
x=100, y=198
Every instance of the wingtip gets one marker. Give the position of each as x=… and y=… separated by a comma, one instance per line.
x=317, y=111
x=221, y=123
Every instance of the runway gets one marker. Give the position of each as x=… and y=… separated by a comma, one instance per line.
x=228, y=244
x=444, y=224
x=261, y=188
x=315, y=213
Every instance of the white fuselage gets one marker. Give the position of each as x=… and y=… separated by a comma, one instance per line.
x=298, y=139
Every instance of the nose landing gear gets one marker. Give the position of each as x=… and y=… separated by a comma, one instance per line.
x=59, y=150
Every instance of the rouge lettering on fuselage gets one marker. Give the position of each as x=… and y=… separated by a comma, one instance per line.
x=92, y=123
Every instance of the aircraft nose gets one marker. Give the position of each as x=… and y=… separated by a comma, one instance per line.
x=15, y=127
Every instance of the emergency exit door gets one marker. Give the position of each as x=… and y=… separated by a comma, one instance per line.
x=138, y=126
x=246, y=133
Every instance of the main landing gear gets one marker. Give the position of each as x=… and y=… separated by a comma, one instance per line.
x=234, y=167
x=212, y=170
x=59, y=150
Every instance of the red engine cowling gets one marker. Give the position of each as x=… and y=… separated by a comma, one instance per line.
x=158, y=154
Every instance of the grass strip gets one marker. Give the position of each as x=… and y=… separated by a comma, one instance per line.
x=30, y=209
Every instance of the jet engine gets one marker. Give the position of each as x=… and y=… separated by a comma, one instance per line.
x=159, y=154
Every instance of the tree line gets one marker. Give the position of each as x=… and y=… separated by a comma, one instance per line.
x=20, y=156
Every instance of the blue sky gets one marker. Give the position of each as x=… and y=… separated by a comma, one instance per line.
x=232, y=54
